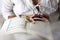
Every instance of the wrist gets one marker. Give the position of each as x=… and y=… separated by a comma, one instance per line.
x=9, y=17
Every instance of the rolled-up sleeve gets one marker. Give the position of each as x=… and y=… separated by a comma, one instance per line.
x=7, y=7
x=48, y=6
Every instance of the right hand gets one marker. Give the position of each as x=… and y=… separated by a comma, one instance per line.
x=28, y=17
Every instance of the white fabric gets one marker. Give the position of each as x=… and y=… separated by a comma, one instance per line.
x=16, y=27
x=26, y=6
x=49, y=6
x=19, y=7
x=8, y=28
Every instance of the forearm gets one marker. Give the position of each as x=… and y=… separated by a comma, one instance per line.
x=9, y=17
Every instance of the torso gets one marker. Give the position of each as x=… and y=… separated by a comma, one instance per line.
x=21, y=6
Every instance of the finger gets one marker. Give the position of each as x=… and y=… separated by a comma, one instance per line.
x=28, y=19
x=32, y=20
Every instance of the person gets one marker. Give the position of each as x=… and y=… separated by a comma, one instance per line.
x=59, y=9
x=16, y=28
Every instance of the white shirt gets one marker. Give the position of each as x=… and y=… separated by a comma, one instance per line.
x=26, y=6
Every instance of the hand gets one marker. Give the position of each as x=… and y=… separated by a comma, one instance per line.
x=35, y=17
x=45, y=16
x=39, y=17
x=30, y=19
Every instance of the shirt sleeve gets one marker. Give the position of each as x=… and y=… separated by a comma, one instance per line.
x=7, y=8
x=48, y=6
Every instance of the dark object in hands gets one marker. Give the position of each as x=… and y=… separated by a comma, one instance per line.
x=45, y=16
x=38, y=17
